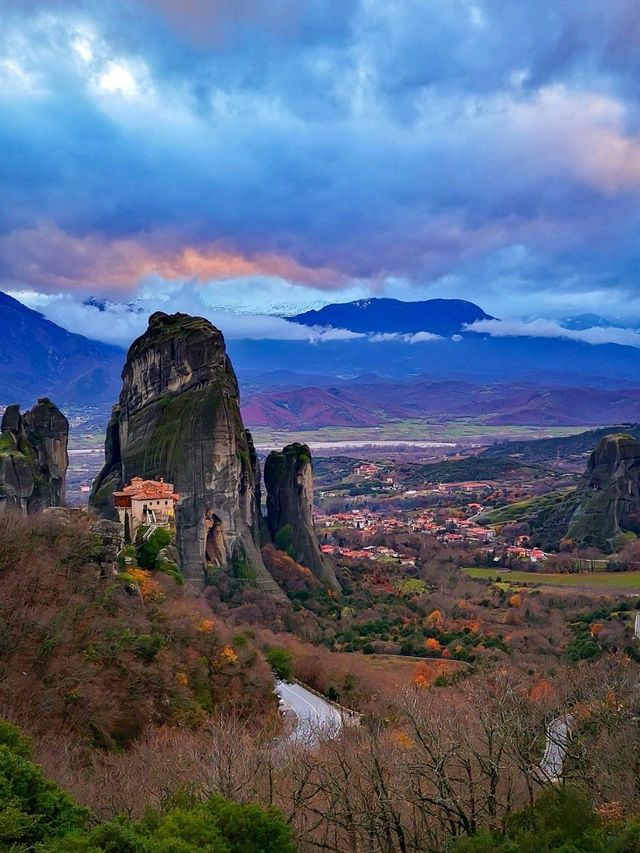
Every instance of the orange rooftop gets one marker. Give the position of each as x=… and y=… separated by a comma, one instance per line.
x=146, y=502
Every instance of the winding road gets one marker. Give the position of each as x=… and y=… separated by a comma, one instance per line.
x=315, y=717
x=558, y=737
x=313, y=714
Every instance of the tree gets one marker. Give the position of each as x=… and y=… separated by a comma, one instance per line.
x=149, y=550
x=32, y=809
x=213, y=826
x=280, y=661
x=35, y=811
x=284, y=539
x=560, y=819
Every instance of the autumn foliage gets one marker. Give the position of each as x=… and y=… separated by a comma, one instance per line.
x=105, y=658
x=291, y=576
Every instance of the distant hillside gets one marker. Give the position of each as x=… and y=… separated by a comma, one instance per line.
x=603, y=511
x=548, y=515
x=477, y=358
x=475, y=468
x=40, y=359
x=548, y=449
x=439, y=316
x=308, y=408
x=369, y=403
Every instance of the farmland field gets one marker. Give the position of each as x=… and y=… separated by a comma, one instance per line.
x=460, y=431
x=604, y=581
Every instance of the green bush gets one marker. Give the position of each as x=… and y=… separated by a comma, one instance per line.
x=12, y=737
x=562, y=819
x=147, y=646
x=148, y=552
x=284, y=540
x=215, y=826
x=35, y=814
x=32, y=809
x=279, y=660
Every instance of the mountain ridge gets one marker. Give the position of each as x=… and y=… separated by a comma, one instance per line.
x=39, y=358
x=443, y=317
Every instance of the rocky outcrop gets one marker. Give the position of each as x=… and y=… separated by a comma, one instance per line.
x=107, y=543
x=288, y=477
x=178, y=417
x=33, y=457
x=608, y=498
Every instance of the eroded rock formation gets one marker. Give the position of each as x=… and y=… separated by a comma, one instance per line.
x=608, y=499
x=178, y=417
x=33, y=457
x=107, y=542
x=288, y=477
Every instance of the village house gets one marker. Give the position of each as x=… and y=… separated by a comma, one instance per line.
x=145, y=502
x=366, y=470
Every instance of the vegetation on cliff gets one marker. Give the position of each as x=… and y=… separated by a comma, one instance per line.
x=603, y=512
x=288, y=477
x=109, y=658
x=562, y=820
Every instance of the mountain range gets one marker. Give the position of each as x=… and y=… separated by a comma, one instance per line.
x=38, y=359
x=366, y=381
x=369, y=402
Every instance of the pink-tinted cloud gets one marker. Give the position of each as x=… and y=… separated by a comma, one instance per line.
x=47, y=258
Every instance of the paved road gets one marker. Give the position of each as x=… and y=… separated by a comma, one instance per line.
x=558, y=737
x=313, y=714
x=636, y=630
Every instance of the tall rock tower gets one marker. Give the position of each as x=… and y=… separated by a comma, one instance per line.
x=288, y=476
x=608, y=498
x=33, y=457
x=178, y=417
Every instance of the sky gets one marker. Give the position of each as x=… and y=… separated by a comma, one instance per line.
x=267, y=156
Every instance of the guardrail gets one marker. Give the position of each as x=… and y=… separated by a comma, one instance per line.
x=345, y=712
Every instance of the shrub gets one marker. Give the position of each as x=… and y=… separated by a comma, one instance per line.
x=284, y=539
x=215, y=826
x=280, y=661
x=149, y=550
x=36, y=814
x=560, y=819
x=147, y=646
x=32, y=809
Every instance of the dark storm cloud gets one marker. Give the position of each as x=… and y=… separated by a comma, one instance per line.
x=332, y=144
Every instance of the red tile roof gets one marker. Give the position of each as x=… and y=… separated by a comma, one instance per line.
x=147, y=490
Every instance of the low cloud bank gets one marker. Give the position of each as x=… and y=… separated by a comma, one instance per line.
x=120, y=323
x=551, y=329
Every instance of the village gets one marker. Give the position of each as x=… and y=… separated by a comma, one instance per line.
x=381, y=506
x=452, y=530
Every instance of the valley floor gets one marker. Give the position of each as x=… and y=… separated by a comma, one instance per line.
x=577, y=581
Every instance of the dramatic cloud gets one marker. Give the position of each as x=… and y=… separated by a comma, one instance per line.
x=302, y=152
x=119, y=323
x=551, y=329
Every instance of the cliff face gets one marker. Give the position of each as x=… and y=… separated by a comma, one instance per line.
x=178, y=417
x=288, y=476
x=33, y=457
x=608, y=499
